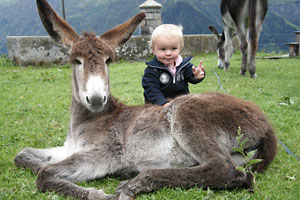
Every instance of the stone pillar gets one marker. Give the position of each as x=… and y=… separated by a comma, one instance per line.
x=153, y=17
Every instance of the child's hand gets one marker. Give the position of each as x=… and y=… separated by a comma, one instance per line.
x=199, y=71
x=166, y=105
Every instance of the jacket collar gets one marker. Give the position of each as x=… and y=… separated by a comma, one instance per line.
x=156, y=64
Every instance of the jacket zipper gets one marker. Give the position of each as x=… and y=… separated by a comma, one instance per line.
x=174, y=79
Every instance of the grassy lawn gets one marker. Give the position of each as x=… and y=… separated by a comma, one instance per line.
x=35, y=102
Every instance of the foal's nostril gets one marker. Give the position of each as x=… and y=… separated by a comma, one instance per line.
x=96, y=100
x=87, y=100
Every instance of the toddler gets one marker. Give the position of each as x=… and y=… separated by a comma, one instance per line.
x=168, y=74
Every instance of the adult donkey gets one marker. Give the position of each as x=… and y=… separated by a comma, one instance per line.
x=190, y=143
x=243, y=18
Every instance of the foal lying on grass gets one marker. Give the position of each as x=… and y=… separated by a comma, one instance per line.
x=190, y=143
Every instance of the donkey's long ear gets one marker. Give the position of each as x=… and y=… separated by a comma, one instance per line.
x=121, y=33
x=214, y=31
x=56, y=27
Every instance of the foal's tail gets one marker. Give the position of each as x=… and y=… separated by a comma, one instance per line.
x=266, y=151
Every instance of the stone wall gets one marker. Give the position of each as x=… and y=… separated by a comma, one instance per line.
x=35, y=50
x=41, y=50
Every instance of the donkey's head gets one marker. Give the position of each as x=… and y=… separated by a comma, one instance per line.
x=220, y=46
x=89, y=55
x=224, y=52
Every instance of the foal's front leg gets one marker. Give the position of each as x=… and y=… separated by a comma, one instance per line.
x=82, y=166
x=35, y=159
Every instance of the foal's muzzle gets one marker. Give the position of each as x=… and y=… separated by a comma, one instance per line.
x=96, y=102
x=96, y=94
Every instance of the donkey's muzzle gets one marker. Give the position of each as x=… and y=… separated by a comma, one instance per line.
x=96, y=102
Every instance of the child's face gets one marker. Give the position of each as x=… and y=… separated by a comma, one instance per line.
x=166, y=49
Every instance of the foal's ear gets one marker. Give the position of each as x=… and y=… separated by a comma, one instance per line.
x=121, y=33
x=214, y=31
x=56, y=27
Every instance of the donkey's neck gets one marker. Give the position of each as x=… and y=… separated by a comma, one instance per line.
x=80, y=113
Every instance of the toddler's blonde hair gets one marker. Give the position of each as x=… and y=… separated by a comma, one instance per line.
x=168, y=30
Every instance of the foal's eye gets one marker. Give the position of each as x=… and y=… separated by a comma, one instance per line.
x=78, y=62
x=108, y=61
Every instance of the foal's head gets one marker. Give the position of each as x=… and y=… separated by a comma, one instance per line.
x=90, y=58
x=89, y=55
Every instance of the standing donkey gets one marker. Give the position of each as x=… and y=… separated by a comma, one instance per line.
x=243, y=18
x=190, y=143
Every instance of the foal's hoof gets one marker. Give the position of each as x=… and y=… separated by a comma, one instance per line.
x=123, y=196
x=249, y=182
x=121, y=185
x=95, y=194
x=123, y=192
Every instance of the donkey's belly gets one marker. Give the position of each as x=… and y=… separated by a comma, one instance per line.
x=157, y=152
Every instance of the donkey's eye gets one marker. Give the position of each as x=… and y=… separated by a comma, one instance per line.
x=78, y=62
x=108, y=61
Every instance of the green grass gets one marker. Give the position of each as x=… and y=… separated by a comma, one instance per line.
x=35, y=102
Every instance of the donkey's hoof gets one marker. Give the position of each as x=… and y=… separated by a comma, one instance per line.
x=123, y=192
x=253, y=75
x=249, y=182
x=123, y=196
x=95, y=194
x=121, y=186
x=242, y=73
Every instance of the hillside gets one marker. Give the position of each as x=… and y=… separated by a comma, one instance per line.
x=20, y=17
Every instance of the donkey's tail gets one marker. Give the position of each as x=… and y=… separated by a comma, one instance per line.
x=252, y=23
x=266, y=151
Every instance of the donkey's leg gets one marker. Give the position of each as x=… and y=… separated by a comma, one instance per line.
x=253, y=49
x=228, y=48
x=35, y=159
x=241, y=33
x=216, y=173
x=252, y=54
x=60, y=177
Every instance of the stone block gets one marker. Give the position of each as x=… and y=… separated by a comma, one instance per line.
x=35, y=50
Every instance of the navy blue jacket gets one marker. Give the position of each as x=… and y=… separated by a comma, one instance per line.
x=159, y=83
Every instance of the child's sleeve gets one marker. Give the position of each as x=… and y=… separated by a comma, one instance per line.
x=151, y=85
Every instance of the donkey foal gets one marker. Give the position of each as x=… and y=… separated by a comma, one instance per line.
x=190, y=143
